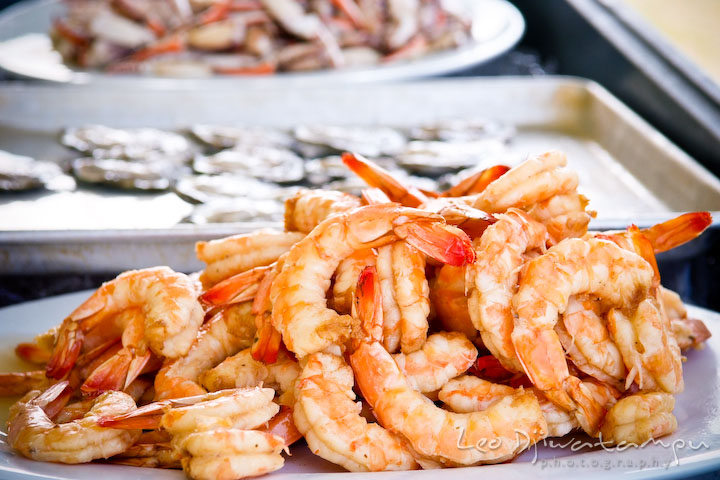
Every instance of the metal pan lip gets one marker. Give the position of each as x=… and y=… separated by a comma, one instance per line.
x=441, y=63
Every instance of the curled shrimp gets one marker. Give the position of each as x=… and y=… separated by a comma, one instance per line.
x=501, y=253
x=307, y=208
x=537, y=179
x=242, y=370
x=229, y=256
x=158, y=312
x=33, y=434
x=298, y=293
x=230, y=453
x=328, y=416
x=468, y=394
x=452, y=439
x=648, y=347
x=230, y=330
x=243, y=408
x=564, y=215
x=444, y=355
x=689, y=332
x=616, y=277
x=587, y=342
x=638, y=418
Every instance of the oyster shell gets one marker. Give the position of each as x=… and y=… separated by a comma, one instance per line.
x=265, y=163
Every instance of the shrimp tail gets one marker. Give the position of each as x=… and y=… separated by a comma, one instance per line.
x=236, y=289
x=488, y=367
x=32, y=353
x=19, y=383
x=69, y=343
x=444, y=243
x=110, y=375
x=673, y=233
x=54, y=398
x=146, y=417
x=376, y=176
x=283, y=426
x=476, y=183
x=374, y=196
x=368, y=305
x=136, y=367
x=267, y=343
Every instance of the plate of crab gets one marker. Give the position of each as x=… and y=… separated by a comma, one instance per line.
x=397, y=330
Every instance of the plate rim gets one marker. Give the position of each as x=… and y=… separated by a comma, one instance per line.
x=695, y=465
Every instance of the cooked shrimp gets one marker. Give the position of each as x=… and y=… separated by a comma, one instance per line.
x=512, y=424
x=150, y=455
x=298, y=293
x=308, y=208
x=230, y=454
x=283, y=425
x=586, y=340
x=243, y=408
x=616, y=277
x=268, y=340
x=501, y=253
x=20, y=383
x=537, y=179
x=241, y=370
x=327, y=415
x=241, y=287
x=648, y=347
x=640, y=417
x=449, y=301
x=468, y=394
x=229, y=256
x=40, y=349
x=444, y=355
x=229, y=331
x=159, y=313
x=563, y=215
x=689, y=332
x=412, y=294
x=346, y=277
x=390, y=308
x=32, y=434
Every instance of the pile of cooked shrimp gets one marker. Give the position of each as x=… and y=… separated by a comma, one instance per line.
x=473, y=322
x=252, y=37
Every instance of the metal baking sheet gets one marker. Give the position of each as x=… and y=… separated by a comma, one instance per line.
x=628, y=170
x=26, y=51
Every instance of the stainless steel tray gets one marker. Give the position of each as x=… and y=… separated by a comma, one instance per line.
x=25, y=51
x=627, y=169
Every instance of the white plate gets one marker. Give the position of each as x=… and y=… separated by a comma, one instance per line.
x=696, y=442
x=25, y=50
